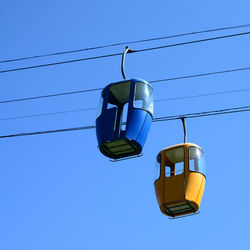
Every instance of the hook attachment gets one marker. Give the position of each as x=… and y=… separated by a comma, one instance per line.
x=184, y=128
x=127, y=50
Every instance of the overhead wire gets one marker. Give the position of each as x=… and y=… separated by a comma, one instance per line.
x=202, y=95
x=48, y=131
x=152, y=82
x=119, y=54
x=48, y=114
x=125, y=43
x=59, y=63
x=91, y=109
x=191, y=42
x=201, y=75
x=51, y=95
x=191, y=115
x=158, y=119
x=204, y=113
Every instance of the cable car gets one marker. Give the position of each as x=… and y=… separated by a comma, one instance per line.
x=180, y=179
x=125, y=120
x=126, y=116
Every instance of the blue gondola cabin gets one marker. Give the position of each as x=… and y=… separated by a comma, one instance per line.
x=126, y=115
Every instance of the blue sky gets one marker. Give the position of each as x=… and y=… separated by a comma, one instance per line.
x=57, y=191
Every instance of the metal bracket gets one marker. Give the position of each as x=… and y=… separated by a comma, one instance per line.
x=127, y=158
x=184, y=128
x=127, y=50
x=183, y=216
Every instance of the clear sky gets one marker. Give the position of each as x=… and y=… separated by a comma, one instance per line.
x=57, y=191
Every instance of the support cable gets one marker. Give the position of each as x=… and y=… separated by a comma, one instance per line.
x=152, y=82
x=90, y=109
x=158, y=119
x=125, y=43
x=119, y=54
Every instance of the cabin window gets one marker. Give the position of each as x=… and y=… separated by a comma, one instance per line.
x=157, y=168
x=124, y=117
x=196, y=160
x=143, y=98
x=169, y=171
x=100, y=106
x=174, y=162
x=119, y=93
x=179, y=168
x=110, y=106
x=174, y=169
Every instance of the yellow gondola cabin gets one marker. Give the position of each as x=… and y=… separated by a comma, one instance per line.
x=180, y=179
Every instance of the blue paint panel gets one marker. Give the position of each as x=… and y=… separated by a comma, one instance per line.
x=142, y=137
x=138, y=125
x=105, y=125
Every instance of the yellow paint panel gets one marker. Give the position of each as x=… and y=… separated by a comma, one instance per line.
x=174, y=189
x=158, y=191
x=195, y=184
